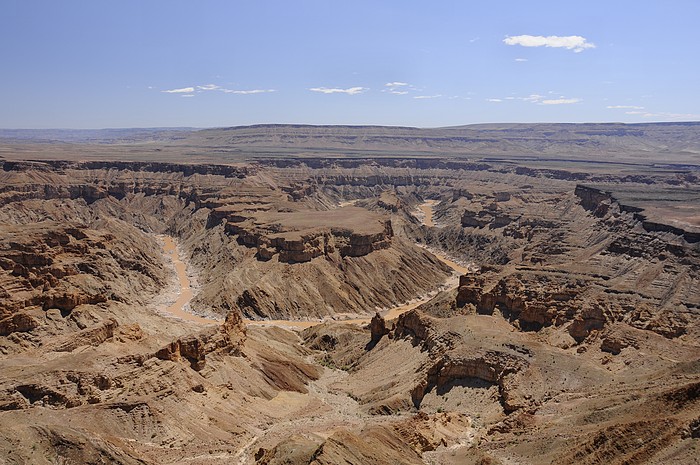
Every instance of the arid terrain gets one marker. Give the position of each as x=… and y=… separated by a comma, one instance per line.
x=490, y=294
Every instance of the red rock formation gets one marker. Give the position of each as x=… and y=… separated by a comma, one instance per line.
x=194, y=348
x=19, y=322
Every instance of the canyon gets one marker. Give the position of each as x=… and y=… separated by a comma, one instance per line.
x=280, y=294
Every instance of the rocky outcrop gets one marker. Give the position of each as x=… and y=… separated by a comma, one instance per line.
x=694, y=428
x=449, y=361
x=228, y=171
x=472, y=219
x=490, y=366
x=533, y=301
x=46, y=396
x=618, y=338
x=295, y=449
x=92, y=336
x=532, y=307
x=493, y=217
x=62, y=279
x=19, y=322
x=594, y=200
x=329, y=233
x=377, y=329
x=228, y=338
x=471, y=290
x=489, y=214
x=389, y=201
x=67, y=301
x=590, y=318
x=599, y=203
x=429, y=432
x=413, y=324
x=691, y=237
x=375, y=445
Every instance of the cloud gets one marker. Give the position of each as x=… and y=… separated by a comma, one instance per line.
x=521, y=60
x=399, y=88
x=422, y=97
x=538, y=99
x=191, y=91
x=349, y=91
x=184, y=90
x=575, y=43
x=624, y=107
x=560, y=101
x=187, y=95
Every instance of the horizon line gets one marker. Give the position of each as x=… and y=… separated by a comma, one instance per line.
x=358, y=125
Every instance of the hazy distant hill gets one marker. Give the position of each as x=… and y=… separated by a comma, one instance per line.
x=647, y=142
x=101, y=136
x=478, y=139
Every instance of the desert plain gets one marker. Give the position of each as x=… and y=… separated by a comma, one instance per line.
x=281, y=294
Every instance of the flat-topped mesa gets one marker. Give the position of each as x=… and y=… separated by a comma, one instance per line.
x=228, y=171
x=599, y=202
x=300, y=236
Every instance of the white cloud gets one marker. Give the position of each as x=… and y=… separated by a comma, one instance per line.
x=575, y=43
x=184, y=90
x=521, y=60
x=187, y=95
x=560, y=101
x=191, y=91
x=538, y=99
x=349, y=91
x=475, y=39
x=247, y=92
x=421, y=97
x=398, y=88
x=624, y=107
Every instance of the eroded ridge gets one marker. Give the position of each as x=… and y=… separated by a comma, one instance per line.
x=568, y=335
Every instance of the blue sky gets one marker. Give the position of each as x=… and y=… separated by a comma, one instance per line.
x=97, y=64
